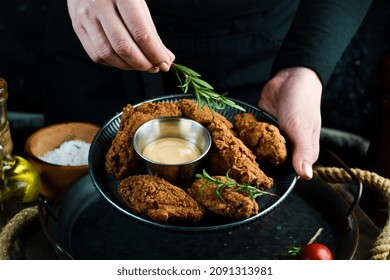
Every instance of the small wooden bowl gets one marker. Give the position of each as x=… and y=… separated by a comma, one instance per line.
x=57, y=178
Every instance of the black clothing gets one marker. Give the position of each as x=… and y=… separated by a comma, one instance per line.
x=320, y=32
x=231, y=43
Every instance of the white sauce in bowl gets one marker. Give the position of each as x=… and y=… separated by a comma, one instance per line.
x=171, y=150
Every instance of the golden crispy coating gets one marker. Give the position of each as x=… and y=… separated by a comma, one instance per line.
x=265, y=140
x=121, y=159
x=228, y=153
x=158, y=199
x=235, y=205
x=204, y=116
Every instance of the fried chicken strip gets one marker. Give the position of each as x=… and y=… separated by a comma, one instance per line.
x=121, y=158
x=236, y=205
x=151, y=196
x=264, y=139
x=190, y=109
x=228, y=153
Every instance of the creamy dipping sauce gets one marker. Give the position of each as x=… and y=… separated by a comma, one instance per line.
x=171, y=150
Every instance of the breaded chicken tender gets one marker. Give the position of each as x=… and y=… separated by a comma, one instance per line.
x=236, y=205
x=264, y=139
x=228, y=153
x=151, y=196
x=204, y=116
x=121, y=158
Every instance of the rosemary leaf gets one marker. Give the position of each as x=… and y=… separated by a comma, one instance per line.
x=185, y=70
x=253, y=192
x=203, y=91
x=291, y=253
x=200, y=83
x=206, y=176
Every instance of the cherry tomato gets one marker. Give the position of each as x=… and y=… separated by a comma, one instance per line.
x=315, y=251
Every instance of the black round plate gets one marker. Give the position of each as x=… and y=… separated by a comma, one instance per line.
x=284, y=177
x=82, y=225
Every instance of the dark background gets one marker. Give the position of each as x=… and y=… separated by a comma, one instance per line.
x=349, y=104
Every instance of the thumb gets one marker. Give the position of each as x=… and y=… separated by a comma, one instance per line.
x=305, y=154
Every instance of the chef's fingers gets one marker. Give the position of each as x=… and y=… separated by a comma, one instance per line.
x=98, y=47
x=107, y=40
x=139, y=23
x=149, y=18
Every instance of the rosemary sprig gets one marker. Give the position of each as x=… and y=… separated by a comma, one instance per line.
x=203, y=91
x=291, y=253
x=253, y=192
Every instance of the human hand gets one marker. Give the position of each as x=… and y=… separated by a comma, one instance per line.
x=293, y=97
x=119, y=33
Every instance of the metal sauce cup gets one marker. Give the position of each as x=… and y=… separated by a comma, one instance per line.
x=179, y=174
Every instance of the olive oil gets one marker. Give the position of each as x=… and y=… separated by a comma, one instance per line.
x=19, y=181
x=22, y=182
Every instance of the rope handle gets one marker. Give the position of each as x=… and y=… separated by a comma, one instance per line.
x=374, y=182
x=10, y=231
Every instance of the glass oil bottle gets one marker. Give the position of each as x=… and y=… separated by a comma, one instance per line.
x=19, y=181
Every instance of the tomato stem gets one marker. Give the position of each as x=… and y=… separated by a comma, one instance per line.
x=315, y=235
